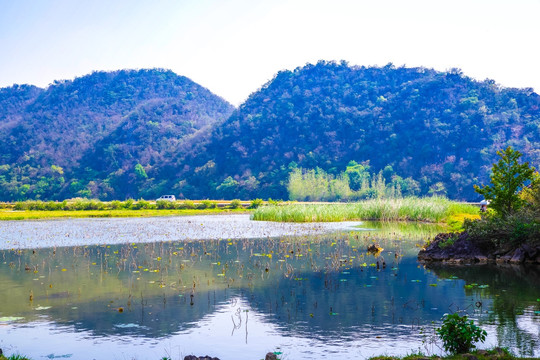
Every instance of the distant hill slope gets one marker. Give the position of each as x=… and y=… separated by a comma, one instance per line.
x=143, y=133
x=85, y=137
x=438, y=127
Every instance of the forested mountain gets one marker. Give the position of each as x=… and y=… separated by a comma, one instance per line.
x=98, y=135
x=114, y=135
x=440, y=128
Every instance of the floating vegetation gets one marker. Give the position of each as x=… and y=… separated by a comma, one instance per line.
x=313, y=284
x=10, y=318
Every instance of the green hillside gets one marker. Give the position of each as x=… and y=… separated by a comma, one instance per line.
x=86, y=137
x=143, y=133
x=440, y=128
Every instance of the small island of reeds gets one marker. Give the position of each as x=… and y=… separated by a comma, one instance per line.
x=429, y=209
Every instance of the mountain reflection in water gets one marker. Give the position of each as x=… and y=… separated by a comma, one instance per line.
x=306, y=296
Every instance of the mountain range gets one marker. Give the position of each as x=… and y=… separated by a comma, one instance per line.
x=143, y=133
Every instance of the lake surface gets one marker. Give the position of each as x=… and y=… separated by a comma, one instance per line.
x=236, y=289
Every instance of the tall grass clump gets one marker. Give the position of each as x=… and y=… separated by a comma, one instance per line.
x=40, y=205
x=431, y=209
x=207, y=204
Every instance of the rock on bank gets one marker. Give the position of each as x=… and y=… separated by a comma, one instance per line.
x=460, y=249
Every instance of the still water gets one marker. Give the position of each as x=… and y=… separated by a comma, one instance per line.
x=237, y=289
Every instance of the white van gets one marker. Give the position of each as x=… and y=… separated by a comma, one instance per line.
x=167, y=198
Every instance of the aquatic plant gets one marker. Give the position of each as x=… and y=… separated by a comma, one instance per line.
x=458, y=333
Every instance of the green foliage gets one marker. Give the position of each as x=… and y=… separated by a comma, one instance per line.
x=142, y=204
x=228, y=188
x=14, y=357
x=256, y=203
x=236, y=204
x=493, y=354
x=508, y=178
x=115, y=205
x=357, y=174
x=459, y=334
x=515, y=215
x=318, y=185
x=449, y=242
x=140, y=172
x=105, y=133
x=139, y=133
x=515, y=229
x=128, y=204
x=328, y=114
x=85, y=204
x=408, y=209
x=80, y=204
x=274, y=202
x=163, y=204
x=207, y=204
x=187, y=204
x=531, y=196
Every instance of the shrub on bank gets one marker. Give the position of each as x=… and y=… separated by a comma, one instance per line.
x=187, y=204
x=513, y=230
x=256, y=203
x=207, y=204
x=236, y=204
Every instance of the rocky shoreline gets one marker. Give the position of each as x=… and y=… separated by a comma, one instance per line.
x=453, y=248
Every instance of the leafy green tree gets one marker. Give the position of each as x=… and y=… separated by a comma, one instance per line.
x=357, y=173
x=228, y=188
x=508, y=178
x=531, y=195
x=437, y=189
x=140, y=172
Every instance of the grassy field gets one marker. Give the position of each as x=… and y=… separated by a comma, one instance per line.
x=85, y=208
x=433, y=209
x=58, y=214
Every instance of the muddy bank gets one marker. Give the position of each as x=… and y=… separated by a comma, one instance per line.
x=461, y=249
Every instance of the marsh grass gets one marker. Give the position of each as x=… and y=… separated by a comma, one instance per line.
x=432, y=209
x=14, y=357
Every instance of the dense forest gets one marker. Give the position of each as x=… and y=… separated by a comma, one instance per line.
x=100, y=135
x=143, y=133
x=442, y=129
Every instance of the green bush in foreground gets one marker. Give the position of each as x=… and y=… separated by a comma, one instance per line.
x=14, y=357
x=459, y=334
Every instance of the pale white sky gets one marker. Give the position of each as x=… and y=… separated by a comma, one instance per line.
x=233, y=47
